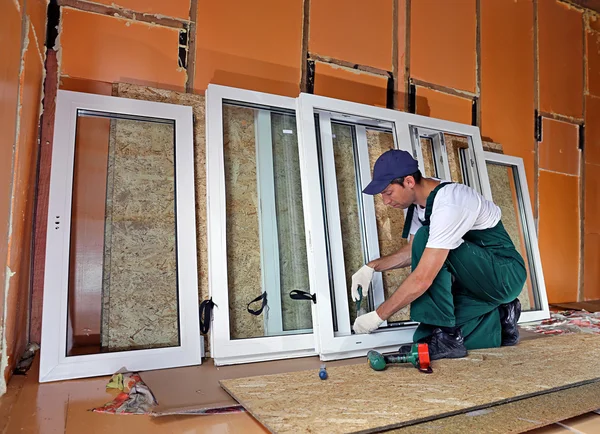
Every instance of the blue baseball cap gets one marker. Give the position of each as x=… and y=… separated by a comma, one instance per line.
x=390, y=165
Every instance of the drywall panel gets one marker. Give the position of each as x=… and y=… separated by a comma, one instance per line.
x=123, y=50
x=441, y=105
x=22, y=202
x=559, y=234
x=350, y=84
x=37, y=12
x=356, y=398
x=171, y=8
x=593, y=63
x=442, y=43
x=252, y=45
x=560, y=39
x=353, y=30
x=559, y=148
x=10, y=31
x=507, y=97
x=592, y=130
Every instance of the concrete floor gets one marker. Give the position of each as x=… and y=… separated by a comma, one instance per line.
x=33, y=408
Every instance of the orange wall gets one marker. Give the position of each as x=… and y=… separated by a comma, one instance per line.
x=508, y=81
x=262, y=44
x=351, y=85
x=591, y=236
x=123, y=50
x=560, y=58
x=346, y=29
x=249, y=44
x=21, y=74
x=559, y=234
x=442, y=42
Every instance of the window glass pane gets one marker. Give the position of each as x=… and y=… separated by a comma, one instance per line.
x=347, y=183
x=266, y=246
x=456, y=148
x=293, y=265
x=123, y=263
x=390, y=223
x=428, y=170
x=504, y=183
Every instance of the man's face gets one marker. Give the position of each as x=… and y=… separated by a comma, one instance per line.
x=398, y=196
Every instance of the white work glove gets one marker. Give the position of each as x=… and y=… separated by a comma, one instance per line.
x=363, y=279
x=367, y=323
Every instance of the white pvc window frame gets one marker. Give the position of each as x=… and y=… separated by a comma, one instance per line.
x=55, y=364
x=529, y=232
x=224, y=349
x=341, y=343
x=472, y=161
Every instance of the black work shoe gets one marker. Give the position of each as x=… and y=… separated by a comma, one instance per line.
x=509, y=316
x=446, y=345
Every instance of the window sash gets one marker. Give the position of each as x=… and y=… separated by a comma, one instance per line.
x=54, y=364
x=224, y=349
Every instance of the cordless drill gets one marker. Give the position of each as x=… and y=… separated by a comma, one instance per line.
x=417, y=355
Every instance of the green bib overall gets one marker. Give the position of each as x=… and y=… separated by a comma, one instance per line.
x=484, y=272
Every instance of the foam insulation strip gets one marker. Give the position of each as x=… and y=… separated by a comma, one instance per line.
x=357, y=399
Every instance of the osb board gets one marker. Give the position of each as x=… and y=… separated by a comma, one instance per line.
x=357, y=399
x=390, y=223
x=293, y=262
x=195, y=388
x=140, y=272
x=590, y=306
x=346, y=177
x=453, y=146
x=244, y=277
x=196, y=102
x=428, y=169
x=516, y=417
x=492, y=147
x=504, y=195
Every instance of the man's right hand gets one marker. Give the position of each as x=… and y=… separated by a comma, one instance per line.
x=363, y=279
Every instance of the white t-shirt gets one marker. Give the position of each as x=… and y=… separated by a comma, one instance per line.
x=457, y=209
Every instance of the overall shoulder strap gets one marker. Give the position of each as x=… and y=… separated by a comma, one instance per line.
x=430, y=199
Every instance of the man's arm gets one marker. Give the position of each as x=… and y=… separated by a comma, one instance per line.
x=416, y=283
x=400, y=259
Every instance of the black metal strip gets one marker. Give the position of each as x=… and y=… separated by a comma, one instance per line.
x=412, y=98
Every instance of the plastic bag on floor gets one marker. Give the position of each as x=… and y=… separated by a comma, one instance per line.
x=135, y=398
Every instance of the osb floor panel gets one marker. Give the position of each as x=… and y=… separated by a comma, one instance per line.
x=357, y=399
x=518, y=416
x=590, y=306
x=31, y=408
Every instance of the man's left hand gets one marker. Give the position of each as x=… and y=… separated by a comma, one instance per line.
x=367, y=323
